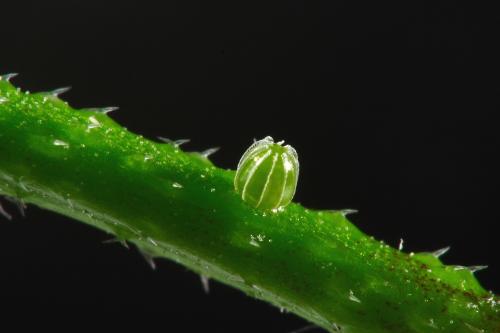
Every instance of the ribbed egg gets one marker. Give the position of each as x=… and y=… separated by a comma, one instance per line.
x=267, y=174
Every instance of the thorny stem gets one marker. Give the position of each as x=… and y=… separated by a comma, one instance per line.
x=177, y=205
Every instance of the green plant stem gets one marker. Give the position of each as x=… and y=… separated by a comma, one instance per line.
x=177, y=205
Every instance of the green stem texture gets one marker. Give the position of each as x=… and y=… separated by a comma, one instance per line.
x=179, y=206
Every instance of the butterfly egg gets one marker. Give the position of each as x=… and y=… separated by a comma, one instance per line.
x=267, y=174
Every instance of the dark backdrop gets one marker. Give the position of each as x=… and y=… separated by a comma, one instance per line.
x=391, y=108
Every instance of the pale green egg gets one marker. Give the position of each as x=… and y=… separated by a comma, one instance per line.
x=267, y=174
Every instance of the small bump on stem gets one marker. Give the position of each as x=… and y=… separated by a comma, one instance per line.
x=58, y=91
x=104, y=110
x=21, y=206
x=8, y=76
x=117, y=240
x=348, y=211
x=4, y=213
x=401, y=244
x=440, y=252
x=149, y=259
x=210, y=151
x=476, y=268
x=175, y=143
x=205, y=283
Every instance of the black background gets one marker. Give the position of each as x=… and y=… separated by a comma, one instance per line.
x=390, y=106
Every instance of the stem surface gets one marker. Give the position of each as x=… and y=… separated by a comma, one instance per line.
x=177, y=205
